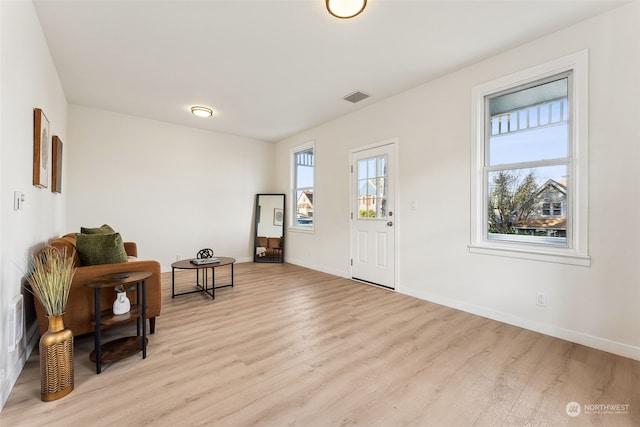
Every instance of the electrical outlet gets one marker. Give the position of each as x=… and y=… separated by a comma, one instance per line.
x=541, y=299
x=1, y=376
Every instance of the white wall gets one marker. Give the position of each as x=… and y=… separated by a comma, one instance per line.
x=597, y=305
x=28, y=79
x=171, y=189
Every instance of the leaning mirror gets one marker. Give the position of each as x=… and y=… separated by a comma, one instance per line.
x=269, y=227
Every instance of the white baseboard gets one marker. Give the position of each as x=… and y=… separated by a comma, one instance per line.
x=25, y=351
x=599, y=343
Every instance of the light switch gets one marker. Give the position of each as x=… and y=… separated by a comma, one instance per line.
x=18, y=200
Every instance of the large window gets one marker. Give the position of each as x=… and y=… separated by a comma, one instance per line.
x=530, y=164
x=527, y=162
x=302, y=179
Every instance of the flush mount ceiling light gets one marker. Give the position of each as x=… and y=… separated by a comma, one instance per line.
x=201, y=111
x=345, y=9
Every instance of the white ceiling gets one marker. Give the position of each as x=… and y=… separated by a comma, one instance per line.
x=270, y=69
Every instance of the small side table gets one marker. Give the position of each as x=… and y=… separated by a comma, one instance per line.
x=127, y=346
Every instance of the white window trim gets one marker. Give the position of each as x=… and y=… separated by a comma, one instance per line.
x=293, y=226
x=578, y=251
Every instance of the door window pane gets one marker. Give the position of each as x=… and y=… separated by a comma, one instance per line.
x=372, y=188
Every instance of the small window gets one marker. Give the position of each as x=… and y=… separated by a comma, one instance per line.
x=302, y=178
x=552, y=209
x=529, y=185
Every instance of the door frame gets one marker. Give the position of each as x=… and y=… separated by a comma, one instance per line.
x=394, y=143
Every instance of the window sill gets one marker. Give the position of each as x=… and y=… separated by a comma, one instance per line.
x=307, y=230
x=569, y=258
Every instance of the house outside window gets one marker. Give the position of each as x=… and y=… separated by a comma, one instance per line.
x=546, y=218
x=302, y=181
x=530, y=165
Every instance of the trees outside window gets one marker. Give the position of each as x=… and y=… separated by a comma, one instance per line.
x=511, y=202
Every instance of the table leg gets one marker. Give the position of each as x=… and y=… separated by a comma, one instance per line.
x=232, y=275
x=144, y=318
x=205, y=279
x=213, y=283
x=173, y=282
x=138, y=299
x=96, y=330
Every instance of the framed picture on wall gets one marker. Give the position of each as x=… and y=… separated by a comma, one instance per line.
x=40, y=149
x=278, y=215
x=56, y=165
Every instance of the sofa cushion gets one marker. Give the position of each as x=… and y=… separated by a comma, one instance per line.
x=274, y=242
x=103, y=229
x=94, y=249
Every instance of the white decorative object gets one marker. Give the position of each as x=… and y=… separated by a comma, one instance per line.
x=122, y=304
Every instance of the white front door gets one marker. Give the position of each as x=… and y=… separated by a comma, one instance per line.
x=372, y=213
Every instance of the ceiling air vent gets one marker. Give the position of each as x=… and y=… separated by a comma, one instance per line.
x=356, y=96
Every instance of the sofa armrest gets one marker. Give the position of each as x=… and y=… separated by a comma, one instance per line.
x=131, y=248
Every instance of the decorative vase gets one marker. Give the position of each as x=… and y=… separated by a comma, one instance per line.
x=56, y=361
x=122, y=304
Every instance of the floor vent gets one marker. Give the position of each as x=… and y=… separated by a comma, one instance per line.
x=356, y=96
x=15, y=324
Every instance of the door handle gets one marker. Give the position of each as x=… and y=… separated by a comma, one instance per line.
x=390, y=224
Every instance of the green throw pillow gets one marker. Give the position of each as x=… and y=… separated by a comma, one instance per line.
x=94, y=249
x=104, y=229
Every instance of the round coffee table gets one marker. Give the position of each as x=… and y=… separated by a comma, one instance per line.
x=186, y=264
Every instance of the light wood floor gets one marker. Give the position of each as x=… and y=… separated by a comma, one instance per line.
x=292, y=346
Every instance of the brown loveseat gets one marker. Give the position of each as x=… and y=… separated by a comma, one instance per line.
x=79, y=312
x=269, y=247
